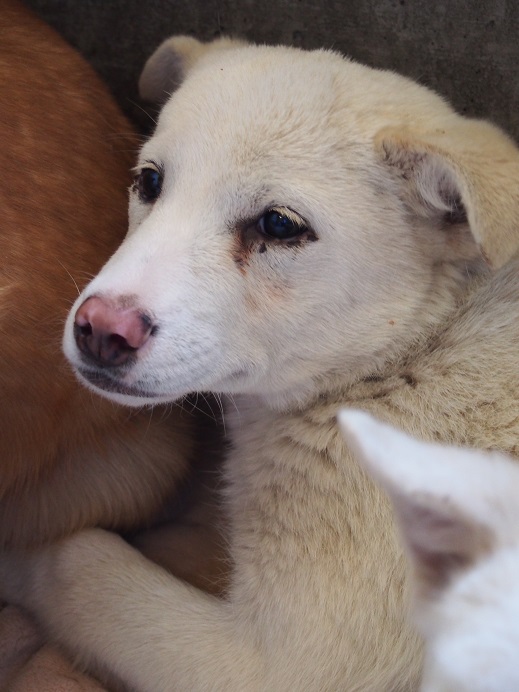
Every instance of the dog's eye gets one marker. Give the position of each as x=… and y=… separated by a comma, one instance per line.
x=282, y=224
x=148, y=184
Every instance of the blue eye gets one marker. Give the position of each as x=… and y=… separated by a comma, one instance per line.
x=281, y=226
x=148, y=184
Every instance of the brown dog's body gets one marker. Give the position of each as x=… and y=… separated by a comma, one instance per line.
x=68, y=459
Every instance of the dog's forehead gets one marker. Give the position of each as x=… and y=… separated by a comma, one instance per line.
x=254, y=98
x=287, y=102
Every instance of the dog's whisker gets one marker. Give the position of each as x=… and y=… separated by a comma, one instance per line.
x=218, y=399
x=141, y=108
x=73, y=280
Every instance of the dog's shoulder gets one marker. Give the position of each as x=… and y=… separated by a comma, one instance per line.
x=470, y=370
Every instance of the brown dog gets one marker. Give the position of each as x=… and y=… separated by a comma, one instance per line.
x=68, y=459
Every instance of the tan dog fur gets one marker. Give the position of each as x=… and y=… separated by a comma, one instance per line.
x=396, y=298
x=67, y=459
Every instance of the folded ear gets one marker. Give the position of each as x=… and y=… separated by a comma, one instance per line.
x=466, y=170
x=440, y=496
x=168, y=66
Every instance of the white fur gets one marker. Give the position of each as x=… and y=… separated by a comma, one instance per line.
x=384, y=305
x=446, y=498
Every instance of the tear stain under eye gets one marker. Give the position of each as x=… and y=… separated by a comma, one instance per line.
x=242, y=249
x=247, y=241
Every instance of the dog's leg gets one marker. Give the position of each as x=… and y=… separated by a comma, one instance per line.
x=193, y=551
x=103, y=600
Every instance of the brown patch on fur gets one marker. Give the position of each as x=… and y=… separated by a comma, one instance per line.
x=410, y=379
x=244, y=240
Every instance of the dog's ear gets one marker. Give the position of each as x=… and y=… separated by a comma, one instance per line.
x=468, y=171
x=442, y=496
x=168, y=66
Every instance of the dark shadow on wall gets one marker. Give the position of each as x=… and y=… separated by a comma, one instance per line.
x=468, y=50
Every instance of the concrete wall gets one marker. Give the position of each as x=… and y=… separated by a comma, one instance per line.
x=468, y=50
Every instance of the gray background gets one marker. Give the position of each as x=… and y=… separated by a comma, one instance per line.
x=466, y=49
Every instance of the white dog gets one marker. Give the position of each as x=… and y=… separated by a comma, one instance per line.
x=305, y=233
x=459, y=518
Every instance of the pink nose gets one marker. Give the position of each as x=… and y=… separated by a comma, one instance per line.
x=107, y=334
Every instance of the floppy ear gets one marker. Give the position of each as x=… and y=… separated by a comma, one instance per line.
x=166, y=69
x=468, y=169
x=439, y=511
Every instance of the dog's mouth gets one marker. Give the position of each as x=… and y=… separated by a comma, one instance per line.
x=103, y=381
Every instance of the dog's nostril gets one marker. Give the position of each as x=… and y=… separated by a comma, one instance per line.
x=83, y=329
x=112, y=349
x=110, y=335
x=119, y=343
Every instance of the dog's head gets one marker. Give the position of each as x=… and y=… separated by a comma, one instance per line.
x=458, y=516
x=294, y=215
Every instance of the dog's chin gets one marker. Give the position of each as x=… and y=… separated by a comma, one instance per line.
x=120, y=393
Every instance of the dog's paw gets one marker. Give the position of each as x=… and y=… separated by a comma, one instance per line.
x=32, y=577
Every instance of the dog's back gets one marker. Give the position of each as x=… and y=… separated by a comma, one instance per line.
x=67, y=459
x=459, y=519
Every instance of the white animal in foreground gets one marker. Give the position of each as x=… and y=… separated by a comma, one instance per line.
x=306, y=233
x=458, y=514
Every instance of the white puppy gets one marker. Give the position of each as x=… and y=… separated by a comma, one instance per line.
x=458, y=515
x=306, y=233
